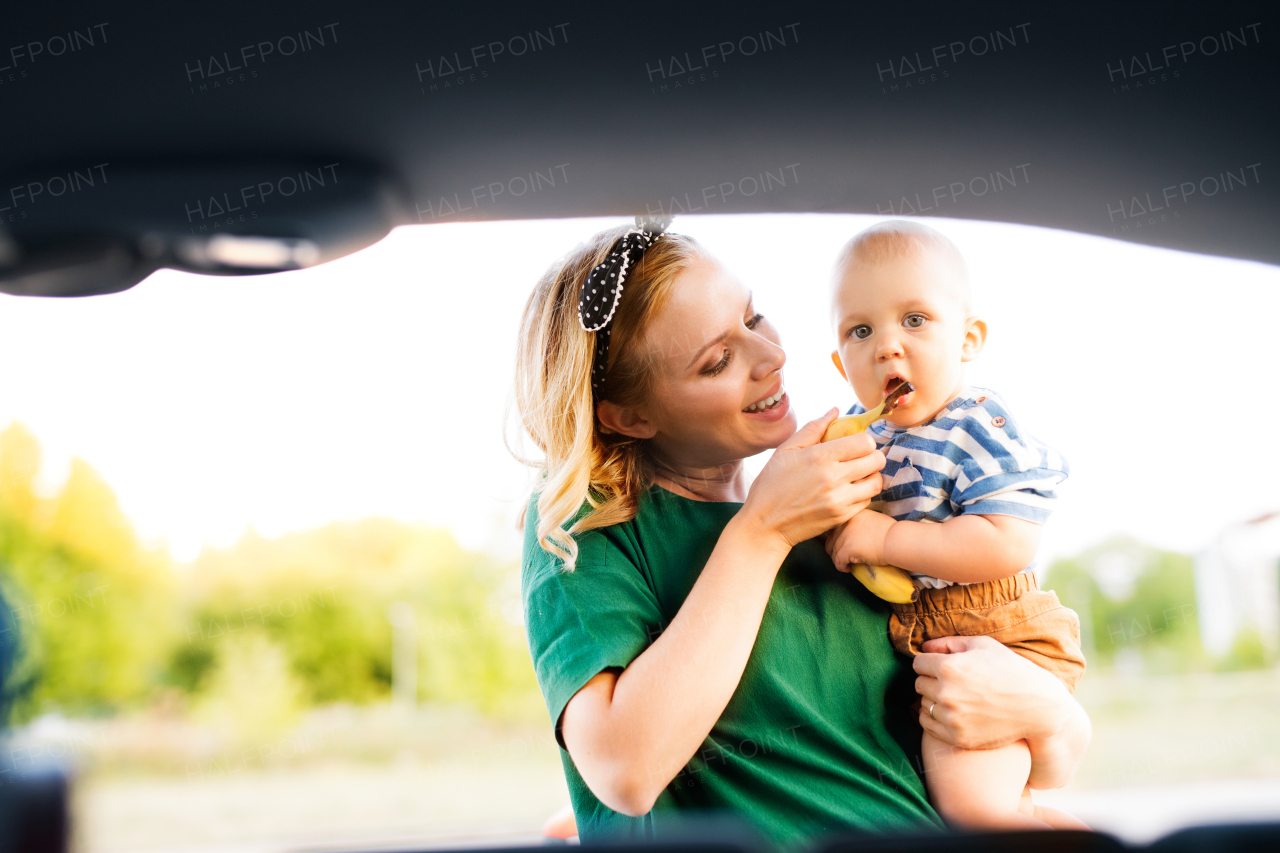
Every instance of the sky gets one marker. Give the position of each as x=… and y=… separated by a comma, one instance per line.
x=379, y=383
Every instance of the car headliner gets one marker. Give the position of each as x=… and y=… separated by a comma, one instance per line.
x=138, y=135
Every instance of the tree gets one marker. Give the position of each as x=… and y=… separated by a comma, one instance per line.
x=1151, y=612
x=94, y=608
x=19, y=465
x=322, y=596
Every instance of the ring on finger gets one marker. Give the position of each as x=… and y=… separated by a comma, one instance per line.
x=931, y=716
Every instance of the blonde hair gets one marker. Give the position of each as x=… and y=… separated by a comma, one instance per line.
x=582, y=462
x=897, y=238
x=901, y=238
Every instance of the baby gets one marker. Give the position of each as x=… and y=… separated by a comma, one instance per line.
x=965, y=494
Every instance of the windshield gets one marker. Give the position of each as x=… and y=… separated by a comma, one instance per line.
x=260, y=536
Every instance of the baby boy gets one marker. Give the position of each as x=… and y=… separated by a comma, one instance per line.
x=965, y=493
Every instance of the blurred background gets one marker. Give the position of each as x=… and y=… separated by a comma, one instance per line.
x=260, y=558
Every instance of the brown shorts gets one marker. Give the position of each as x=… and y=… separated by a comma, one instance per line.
x=1012, y=611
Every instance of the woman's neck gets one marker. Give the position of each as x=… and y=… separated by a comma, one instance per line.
x=727, y=482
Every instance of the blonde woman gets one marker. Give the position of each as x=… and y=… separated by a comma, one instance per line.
x=695, y=646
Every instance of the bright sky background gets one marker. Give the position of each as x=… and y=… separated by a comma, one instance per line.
x=377, y=384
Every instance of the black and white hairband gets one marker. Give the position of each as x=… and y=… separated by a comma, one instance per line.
x=602, y=290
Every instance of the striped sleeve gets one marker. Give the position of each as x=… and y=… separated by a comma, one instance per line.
x=1004, y=471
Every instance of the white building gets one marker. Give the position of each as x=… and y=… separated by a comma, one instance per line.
x=1238, y=584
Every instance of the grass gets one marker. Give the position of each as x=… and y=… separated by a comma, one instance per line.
x=380, y=775
x=1155, y=730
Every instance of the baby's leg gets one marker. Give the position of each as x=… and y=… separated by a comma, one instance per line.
x=979, y=788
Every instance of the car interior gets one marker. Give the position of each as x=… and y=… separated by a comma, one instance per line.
x=247, y=139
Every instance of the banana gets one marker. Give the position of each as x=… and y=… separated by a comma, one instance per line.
x=854, y=424
x=888, y=582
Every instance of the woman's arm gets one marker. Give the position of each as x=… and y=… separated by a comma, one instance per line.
x=629, y=734
x=983, y=696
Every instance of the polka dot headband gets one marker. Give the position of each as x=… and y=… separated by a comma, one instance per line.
x=602, y=290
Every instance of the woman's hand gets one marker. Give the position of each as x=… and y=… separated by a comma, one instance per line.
x=808, y=487
x=983, y=695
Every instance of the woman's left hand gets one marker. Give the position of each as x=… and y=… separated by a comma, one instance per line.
x=983, y=695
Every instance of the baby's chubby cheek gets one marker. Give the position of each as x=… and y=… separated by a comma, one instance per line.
x=865, y=383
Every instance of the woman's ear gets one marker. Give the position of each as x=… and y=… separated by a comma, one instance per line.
x=624, y=420
x=835, y=359
x=975, y=336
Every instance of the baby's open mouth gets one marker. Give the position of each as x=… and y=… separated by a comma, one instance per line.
x=768, y=402
x=896, y=393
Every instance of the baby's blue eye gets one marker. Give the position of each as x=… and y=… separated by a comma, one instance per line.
x=860, y=332
x=913, y=321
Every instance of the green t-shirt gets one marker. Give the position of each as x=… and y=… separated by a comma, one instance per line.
x=818, y=736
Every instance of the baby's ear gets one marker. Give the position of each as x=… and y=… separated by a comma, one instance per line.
x=835, y=359
x=975, y=337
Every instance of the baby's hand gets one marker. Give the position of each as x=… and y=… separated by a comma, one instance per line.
x=859, y=540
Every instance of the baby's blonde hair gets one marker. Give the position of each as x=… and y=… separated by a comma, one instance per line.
x=582, y=463
x=901, y=238
x=898, y=238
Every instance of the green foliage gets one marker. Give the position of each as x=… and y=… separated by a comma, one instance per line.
x=1247, y=652
x=1156, y=619
x=93, y=607
x=322, y=597
x=250, y=635
x=189, y=664
x=252, y=689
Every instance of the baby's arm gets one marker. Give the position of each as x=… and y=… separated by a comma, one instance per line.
x=966, y=549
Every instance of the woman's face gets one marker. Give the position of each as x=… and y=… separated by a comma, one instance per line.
x=718, y=393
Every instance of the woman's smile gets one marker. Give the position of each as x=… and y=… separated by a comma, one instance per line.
x=775, y=412
x=773, y=399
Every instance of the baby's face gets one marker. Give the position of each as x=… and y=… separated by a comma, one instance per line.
x=905, y=319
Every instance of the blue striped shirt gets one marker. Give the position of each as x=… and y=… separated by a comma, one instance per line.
x=971, y=459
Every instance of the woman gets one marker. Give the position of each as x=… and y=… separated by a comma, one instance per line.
x=695, y=645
